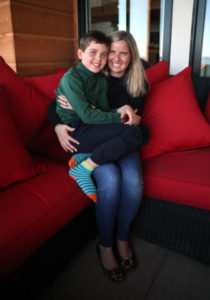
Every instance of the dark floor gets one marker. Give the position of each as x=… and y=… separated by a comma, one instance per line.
x=161, y=275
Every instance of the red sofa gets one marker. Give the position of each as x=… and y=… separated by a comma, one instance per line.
x=38, y=199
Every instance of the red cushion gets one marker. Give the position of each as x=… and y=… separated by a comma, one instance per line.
x=27, y=105
x=182, y=177
x=16, y=163
x=54, y=150
x=175, y=120
x=37, y=208
x=61, y=70
x=158, y=72
x=44, y=136
x=45, y=84
x=207, y=109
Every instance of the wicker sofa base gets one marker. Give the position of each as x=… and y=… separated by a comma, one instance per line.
x=178, y=227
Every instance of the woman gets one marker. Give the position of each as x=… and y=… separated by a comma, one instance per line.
x=120, y=184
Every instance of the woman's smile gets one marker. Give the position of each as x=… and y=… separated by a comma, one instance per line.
x=119, y=58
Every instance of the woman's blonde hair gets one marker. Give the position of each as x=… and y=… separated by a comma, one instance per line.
x=135, y=76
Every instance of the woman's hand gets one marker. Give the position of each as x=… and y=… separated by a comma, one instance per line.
x=136, y=119
x=64, y=138
x=64, y=103
x=133, y=118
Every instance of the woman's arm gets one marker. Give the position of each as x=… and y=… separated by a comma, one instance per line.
x=61, y=130
x=53, y=116
x=139, y=101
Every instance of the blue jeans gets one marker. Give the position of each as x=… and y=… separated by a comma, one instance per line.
x=119, y=187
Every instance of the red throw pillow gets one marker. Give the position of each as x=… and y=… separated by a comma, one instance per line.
x=173, y=115
x=61, y=70
x=207, y=109
x=28, y=107
x=16, y=163
x=45, y=84
x=158, y=72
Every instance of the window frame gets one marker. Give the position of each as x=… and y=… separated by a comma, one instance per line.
x=167, y=30
x=198, y=21
x=82, y=6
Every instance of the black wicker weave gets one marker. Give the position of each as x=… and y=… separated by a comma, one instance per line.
x=184, y=229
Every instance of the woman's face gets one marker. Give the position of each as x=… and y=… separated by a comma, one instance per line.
x=119, y=58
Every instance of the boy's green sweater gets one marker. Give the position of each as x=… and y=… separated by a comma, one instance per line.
x=84, y=88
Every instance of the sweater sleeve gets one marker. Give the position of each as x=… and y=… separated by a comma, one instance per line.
x=137, y=103
x=74, y=91
x=53, y=116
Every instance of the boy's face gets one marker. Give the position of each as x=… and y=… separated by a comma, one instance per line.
x=94, y=57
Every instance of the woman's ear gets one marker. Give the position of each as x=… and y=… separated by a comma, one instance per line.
x=79, y=53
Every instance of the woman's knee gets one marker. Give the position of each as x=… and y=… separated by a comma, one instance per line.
x=107, y=176
x=133, y=180
x=131, y=170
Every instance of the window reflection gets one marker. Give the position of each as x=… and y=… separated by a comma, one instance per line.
x=205, y=56
x=144, y=19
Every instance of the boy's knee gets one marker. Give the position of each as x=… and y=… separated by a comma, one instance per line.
x=135, y=135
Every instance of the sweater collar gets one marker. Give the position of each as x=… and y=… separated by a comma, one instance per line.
x=85, y=71
x=117, y=80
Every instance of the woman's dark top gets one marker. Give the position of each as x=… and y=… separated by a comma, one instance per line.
x=117, y=97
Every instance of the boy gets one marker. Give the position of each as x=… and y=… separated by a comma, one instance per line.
x=98, y=128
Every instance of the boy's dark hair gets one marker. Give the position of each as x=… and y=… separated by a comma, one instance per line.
x=93, y=36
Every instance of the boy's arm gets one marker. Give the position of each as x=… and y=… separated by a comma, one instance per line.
x=73, y=90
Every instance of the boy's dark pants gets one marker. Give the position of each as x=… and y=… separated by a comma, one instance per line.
x=107, y=142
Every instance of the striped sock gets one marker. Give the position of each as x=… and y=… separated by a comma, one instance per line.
x=82, y=175
x=77, y=159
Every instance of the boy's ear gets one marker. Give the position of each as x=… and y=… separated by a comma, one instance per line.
x=79, y=53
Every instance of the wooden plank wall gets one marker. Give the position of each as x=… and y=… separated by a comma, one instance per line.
x=7, y=48
x=45, y=35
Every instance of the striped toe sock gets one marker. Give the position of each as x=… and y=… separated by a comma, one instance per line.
x=77, y=159
x=82, y=175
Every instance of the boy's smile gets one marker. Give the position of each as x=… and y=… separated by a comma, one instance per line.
x=94, y=57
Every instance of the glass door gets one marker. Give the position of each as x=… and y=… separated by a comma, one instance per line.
x=144, y=19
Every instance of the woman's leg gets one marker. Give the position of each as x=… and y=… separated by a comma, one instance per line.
x=108, y=183
x=131, y=195
x=108, y=187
